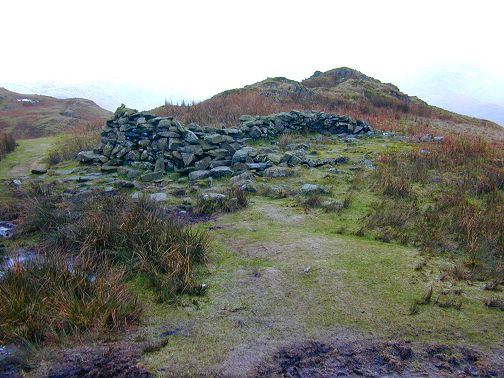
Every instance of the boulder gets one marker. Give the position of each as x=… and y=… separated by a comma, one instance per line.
x=278, y=172
x=255, y=132
x=198, y=175
x=203, y=163
x=190, y=137
x=274, y=158
x=242, y=177
x=158, y=197
x=308, y=189
x=151, y=176
x=220, y=163
x=160, y=165
x=187, y=158
x=217, y=138
x=243, y=154
x=39, y=170
x=212, y=197
x=258, y=166
x=108, y=169
x=219, y=172
x=88, y=157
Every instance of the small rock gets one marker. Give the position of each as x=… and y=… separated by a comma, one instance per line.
x=88, y=157
x=198, y=175
x=108, y=169
x=190, y=137
x=151, y=176
x=16, y=183
x=158, y=197
x=311, y=189
x=137, y=195
x=39, y=170
x=367, y=164
x=255, y=132
x=278, y=172
x=219, y=172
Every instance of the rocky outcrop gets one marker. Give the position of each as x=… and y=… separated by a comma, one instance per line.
x=158, y=144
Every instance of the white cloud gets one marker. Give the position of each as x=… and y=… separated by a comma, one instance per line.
x=203, y=47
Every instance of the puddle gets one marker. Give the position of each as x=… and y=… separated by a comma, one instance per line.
x=8, y=262
x=11, y=361
x=6, y=230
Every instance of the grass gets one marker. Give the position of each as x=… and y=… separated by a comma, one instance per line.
x=91, y=249
x=44, y=300
x=233, y=200
x=7, y=144
x=259, y=297
x=445, y=197
x=29, y=153
x=69, y=144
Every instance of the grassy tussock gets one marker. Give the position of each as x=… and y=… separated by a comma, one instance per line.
x=7, y=144
x=234, y=200
x=72, y=142
x=109, y=243
x=44, y=299
x=445, y=197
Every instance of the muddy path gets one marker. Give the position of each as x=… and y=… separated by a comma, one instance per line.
x=370, y=358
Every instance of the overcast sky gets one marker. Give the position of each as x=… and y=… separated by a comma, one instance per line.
x=199, y=48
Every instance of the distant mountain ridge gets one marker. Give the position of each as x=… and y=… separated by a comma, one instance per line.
x=29, y=116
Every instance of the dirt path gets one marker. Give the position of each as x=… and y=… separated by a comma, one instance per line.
x=282, y=282
x=28, y=154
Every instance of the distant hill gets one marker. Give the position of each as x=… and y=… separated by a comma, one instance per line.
x=341, y=90
x=31, y=116
x=107, y=94
x=464, y=88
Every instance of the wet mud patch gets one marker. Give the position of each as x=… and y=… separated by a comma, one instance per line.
x=115, y=361
x=376, y=359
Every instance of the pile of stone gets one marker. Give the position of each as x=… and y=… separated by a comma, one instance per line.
x=145, y=141
x=324, y=123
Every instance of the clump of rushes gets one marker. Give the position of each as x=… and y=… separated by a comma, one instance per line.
x=94, y=246
x=47, y=298
x=73, y=141
x=233, y=199
x=311, y=202
x=445, y=197
x=7, y=144
x=495, y=303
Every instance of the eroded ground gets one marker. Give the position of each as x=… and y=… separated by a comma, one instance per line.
x=277, y=284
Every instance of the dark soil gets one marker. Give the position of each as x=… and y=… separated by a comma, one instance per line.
x=376, y=359
x=103, y=362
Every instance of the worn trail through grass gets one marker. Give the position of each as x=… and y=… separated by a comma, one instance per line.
x=279, y=276
x=29, y=154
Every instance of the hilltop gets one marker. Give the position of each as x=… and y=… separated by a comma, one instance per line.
x=29, y=116
x=341, y=90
